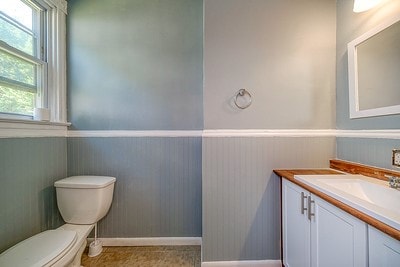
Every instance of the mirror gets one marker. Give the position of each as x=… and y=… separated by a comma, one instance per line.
x=374, y=71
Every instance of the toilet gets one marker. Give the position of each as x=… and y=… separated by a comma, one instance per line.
x=82, y=202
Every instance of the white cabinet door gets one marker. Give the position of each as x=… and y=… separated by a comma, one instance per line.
x=384, y=251
x=296, y=226
x=337, y=238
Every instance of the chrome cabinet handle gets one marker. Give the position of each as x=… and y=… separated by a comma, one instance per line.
x=310, y=201
x=303, y=208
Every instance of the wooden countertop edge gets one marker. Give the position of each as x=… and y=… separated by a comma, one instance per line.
x=357, y=168
x=289, y=175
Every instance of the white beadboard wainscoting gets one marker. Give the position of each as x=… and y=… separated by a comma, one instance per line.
x=158, y=187
x=372, y=151
x=217, y=185
x=241, y=196
x=28, y=169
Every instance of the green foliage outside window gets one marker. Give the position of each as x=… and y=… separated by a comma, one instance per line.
x=16, y=101
x=16, y=37
x=19, y=97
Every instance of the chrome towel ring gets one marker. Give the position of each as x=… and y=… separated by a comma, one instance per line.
x=243, y=99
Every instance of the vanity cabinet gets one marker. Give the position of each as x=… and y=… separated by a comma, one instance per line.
x=383, y=250
x=316, y=233
x=296, y=231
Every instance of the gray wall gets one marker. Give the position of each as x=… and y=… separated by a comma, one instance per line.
x=158, y=188
x=351, y=25
x=282, y=51
x=241, y=195
x=29, y=167
x=135, y=64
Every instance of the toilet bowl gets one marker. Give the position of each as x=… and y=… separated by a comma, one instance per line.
x=60, y=247
x=82, y=201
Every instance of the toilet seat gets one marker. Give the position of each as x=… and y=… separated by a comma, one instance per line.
x=40, y=249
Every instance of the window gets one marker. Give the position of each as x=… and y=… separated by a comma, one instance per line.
x=22, y=57
x=32, y=58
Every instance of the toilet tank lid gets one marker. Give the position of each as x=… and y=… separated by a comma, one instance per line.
x=85, y=181
x=39, y=249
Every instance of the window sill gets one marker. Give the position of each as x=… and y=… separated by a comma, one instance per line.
x=16, y=128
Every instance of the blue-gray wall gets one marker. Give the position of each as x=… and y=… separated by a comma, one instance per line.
x=283, y=52
x=135, y=64
x=28, y=169
x=158, y=188
x=241, y=194
x=351, y=25
x=370, y=151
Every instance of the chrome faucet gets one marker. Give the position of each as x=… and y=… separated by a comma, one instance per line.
x=394, y=182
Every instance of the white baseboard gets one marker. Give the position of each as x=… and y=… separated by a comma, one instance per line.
x=150, y=241
x=263, y=263
x=183, y=241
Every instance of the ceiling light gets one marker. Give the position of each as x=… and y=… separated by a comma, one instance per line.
x=364, y=5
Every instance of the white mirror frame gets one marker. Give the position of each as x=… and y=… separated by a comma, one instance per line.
x=355, y=111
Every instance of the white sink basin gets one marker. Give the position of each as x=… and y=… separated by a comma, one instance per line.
x=371, y=196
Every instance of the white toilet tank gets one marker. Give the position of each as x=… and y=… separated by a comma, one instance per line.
x=84, y=199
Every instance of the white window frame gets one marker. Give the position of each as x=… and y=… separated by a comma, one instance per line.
x=56, y=60
x=54, y=98
x=38, y=59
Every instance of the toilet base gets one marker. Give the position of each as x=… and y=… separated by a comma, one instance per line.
x=77, y=260
x=73, y=257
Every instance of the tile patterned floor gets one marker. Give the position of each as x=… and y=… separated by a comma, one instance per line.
x=154, y=256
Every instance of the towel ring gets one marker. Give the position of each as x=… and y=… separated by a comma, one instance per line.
x=243, y=93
